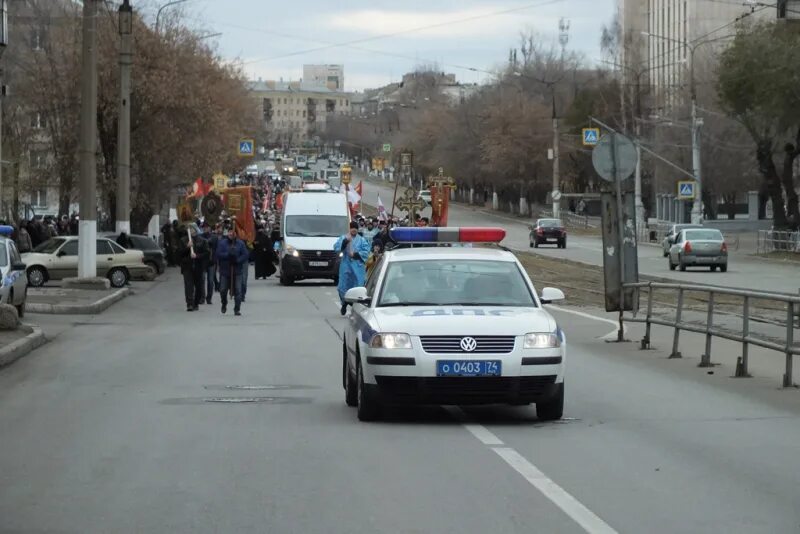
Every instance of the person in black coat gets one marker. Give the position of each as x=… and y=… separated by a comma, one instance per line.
x=193, y=256
x=262, y=249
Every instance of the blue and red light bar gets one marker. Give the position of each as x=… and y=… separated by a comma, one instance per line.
x=447, y=234
x=6, y=231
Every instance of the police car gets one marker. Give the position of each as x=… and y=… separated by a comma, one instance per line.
x=451, y=325
x=13, y=282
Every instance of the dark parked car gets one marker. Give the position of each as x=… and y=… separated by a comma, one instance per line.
x=153, y=255
x=548, y=231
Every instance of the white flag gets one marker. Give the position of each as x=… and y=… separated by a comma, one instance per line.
x=381, y=210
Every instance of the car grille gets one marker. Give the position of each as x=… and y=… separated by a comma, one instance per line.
x=321, y=255
x=465, y=390
x=452, y=344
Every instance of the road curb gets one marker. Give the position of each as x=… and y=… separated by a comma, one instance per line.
x=22, y=347
x=79, y=309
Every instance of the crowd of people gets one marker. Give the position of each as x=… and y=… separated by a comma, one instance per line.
x=29, y=234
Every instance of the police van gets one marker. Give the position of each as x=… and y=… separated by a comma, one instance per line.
x=452, y=325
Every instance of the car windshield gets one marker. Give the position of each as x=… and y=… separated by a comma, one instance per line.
x=316, y=225
x=454, y=282
x=49, y=246
x=549, y=223
x=703, y=235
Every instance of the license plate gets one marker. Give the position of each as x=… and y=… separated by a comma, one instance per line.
x=318, y=264
x=468, y=368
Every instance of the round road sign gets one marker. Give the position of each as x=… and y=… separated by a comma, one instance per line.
x=624, y=162
x=556, y=195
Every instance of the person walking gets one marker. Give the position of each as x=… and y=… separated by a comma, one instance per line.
x=352, y=268
x=212, y=283
x=265, y=267
x=193, y=255
x=231, y=254
x=124, y=241
x=24, y=243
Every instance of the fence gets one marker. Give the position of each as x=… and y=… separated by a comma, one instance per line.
x=777, y=241
x=787, y=346
x=572, y=220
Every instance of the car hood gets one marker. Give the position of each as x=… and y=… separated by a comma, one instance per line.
x=463, y=320
x=311, y=243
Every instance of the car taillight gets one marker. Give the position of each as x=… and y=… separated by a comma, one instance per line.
x=724, y=248
x=687, y=247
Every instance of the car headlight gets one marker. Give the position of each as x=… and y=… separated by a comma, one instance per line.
x=341, y=254
x=292, y=251
x=390, y=341
x=542, y=341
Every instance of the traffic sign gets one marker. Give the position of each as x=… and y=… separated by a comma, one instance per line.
x=591, y=136
x=618, y=163
x=387, y=147
x=246, y=148
x=686, y=190
x=556, y=195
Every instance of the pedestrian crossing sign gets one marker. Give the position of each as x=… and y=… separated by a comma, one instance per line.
x=591, y=136
x=686, y=190
x=246, y=148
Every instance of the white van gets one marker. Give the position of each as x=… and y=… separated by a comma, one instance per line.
x=310, y=225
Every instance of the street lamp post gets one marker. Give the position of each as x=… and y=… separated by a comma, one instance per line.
x=124, y=124
x=697, y=122
x=162, y=8
x=87, y=229
x=3, y=44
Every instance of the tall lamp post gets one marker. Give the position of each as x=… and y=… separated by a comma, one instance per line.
x=697, y=122
x=87, y=228
x=3, y=44
x=162, y=8
x=124, y=123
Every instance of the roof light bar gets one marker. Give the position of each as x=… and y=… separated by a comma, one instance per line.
x=448, y=234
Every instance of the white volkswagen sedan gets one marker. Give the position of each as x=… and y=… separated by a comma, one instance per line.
x=452, y=325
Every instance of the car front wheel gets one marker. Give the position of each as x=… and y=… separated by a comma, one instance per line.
x=369, y=408
x=118, y=277
x=37, y=276
x=552, y=409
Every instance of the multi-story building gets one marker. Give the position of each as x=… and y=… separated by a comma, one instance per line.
x=661, y=38
x=330, y=76
x=295, y=112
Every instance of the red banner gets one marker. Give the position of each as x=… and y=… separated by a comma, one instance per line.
x=199, y=189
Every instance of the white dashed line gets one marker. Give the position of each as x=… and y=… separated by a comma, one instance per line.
x=557, y=495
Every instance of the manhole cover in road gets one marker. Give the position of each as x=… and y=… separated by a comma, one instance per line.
x=238, y=400
x=269, y=387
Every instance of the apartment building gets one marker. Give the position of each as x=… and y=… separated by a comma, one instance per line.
x=294, y=112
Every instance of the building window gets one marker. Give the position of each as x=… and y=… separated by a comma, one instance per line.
x=38, y=38
x=38, y=121
x=39, y=198
x=38, y=159
x=304, y=114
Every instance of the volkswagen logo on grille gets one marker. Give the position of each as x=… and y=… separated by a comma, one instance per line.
x=468, y=344
x=319, y=253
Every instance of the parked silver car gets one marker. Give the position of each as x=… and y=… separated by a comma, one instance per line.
x=699, y=247
x=14, y=283
x=674, y=230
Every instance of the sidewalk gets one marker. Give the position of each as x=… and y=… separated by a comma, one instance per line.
x=58, y=300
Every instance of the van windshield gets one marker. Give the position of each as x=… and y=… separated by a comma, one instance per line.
x=316, y=225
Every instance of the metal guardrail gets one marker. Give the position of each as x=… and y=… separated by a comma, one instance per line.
x=789, y=348
x=573, y=220
x=777, y=241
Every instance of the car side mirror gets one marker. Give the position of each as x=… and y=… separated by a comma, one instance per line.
x=19, y=266
x=551, y=294
x=357, y=295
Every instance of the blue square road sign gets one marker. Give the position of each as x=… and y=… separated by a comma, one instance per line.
x=246, y=147
x=686, y=190
x=591, y=136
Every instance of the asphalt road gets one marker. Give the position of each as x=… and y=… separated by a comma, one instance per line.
x=744, y=271
x=138, y=421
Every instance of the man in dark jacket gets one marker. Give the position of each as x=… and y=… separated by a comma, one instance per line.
x=211, y=271
x=193, y=255
x=232, y=254
x=383, y=238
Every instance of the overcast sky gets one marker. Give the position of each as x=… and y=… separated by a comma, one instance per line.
x=388, y=38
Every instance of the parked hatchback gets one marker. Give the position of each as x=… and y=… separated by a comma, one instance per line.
x=57, y=258
x=153, y=255
x=704, y=247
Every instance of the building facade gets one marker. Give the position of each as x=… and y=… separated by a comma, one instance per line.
x=330, y=76
x=295, y=112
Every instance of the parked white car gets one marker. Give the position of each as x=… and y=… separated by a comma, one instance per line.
x=57, y=258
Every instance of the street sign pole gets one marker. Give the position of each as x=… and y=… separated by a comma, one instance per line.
x=621, y=230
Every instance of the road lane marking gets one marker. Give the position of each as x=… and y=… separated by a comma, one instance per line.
x=590, y=522
x=483, y=434
x=594, y=318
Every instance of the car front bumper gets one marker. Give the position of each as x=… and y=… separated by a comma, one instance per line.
x=299, y=269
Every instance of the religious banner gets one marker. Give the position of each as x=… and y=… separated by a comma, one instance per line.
x=185, y=212
x=239, y=205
